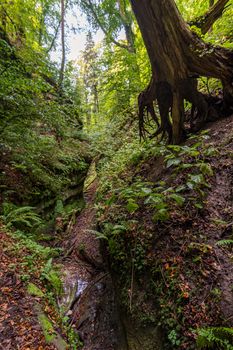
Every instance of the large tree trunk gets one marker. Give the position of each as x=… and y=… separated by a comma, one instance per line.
x=177, y=58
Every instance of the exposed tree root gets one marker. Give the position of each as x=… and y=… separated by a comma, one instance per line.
x=178, y=57
x=204, y=108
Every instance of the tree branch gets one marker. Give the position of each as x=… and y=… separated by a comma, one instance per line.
x=206, y=21
x=54, y=38
x=105, y=31
x=56, y=31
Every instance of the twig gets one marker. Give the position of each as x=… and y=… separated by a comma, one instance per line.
x=163, y=277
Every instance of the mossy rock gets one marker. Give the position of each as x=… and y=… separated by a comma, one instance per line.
x=51, y=336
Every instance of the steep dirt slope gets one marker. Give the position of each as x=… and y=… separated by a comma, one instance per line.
x=175, y=271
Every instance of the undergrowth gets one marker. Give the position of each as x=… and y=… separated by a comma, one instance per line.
x=136, y=211
x=41, y=278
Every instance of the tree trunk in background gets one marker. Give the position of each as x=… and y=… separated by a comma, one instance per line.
x=127, y=24
x=96, y=99
x=211, y=3
x=177, y=57
x=61, y=77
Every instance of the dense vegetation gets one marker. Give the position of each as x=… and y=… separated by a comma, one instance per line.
x=166, y=235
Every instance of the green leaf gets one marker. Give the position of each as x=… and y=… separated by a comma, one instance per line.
x=111, y=200
x=177, y=198
x=161, y=215
x=34, y=290
x=206, y=169
x=198, y=205
x=197, y=179
x=190, y=185
x=180, y=188
x=119, y=228
x=225, y=242
x=145, y=191
x=173, y=161
x=132, y=206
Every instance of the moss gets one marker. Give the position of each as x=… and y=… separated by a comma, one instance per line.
x=47, y=328
x=34, y=290
x=51, y=336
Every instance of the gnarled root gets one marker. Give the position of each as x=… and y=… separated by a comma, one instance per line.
x=161, y=92
x=204, y=108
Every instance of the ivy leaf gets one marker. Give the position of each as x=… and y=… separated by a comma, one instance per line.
x=190, y=185
x=197, y=179
x=145, y=191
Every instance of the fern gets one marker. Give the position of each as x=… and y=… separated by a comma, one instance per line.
x=215, y=338
x=52, y=276
x=225, y=242
x=25, y=216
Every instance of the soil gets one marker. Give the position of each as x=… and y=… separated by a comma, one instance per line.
x=94, y=312
x=194, y=267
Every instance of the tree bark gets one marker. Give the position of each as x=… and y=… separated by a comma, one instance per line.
x=178, y=56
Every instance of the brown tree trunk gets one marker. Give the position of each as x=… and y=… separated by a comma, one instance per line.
x=211, y=3
x=127, y=24
x=177, y=57
x=62, y=69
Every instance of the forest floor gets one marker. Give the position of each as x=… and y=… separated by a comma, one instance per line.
x=92, y=310
x=19, y=327
x=87, y=302
x=200, y=270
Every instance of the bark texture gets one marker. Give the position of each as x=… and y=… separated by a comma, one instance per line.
x=178, y=56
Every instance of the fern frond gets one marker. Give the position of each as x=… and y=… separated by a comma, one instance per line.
x=24, y=216
x=225, y=242
x=215, y=338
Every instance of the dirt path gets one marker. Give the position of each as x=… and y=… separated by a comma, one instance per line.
x=91, y=305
